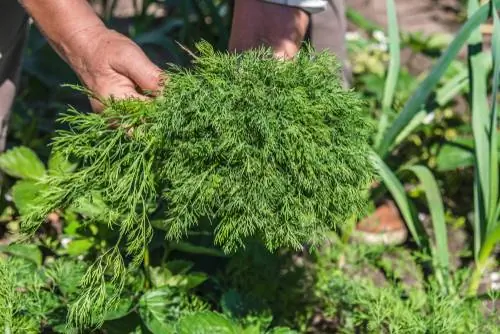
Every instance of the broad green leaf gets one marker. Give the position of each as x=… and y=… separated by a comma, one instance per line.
x=162, y=276
x=458, y=153
x=415, y=103
x=393, y=71
x=159, y=310
x=79, y=246
x=207, y=323
x=120, y=310
x=253, y=329
x=195, y=279
x=23, y=163
x=59, y=165
x=452, y=156
x=24, y=193
x=398, y=193
x=26, y=251
x=159, y=276
x=130, y=323
x=436, y=208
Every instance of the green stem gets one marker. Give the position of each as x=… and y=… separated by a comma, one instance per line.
x=482, y=261
x=146, y=269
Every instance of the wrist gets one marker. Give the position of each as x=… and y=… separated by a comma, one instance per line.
x=77, y=43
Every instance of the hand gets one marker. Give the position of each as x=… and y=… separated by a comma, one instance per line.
x=111, y=65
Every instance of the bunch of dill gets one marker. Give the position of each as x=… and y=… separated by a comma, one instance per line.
x=261, y=148
x=258, y=146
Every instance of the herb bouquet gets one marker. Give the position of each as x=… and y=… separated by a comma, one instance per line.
x=261, y=148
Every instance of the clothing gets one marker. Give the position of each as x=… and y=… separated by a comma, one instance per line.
x=310, y=6
x=327, y=30
x=13, y=31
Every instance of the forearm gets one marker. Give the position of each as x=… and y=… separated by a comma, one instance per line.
x=257, y=23
x=62, y=22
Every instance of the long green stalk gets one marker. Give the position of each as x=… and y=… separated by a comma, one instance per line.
x=393, y=71
x=486, y=227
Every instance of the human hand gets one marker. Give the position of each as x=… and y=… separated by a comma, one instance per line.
x=111, y=65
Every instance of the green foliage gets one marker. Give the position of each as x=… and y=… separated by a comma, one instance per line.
x=258, y=146
x=365, y=308
x=23, y=163
x=28, y=296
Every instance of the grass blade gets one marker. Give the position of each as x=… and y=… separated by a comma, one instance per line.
x=492, y=216
x=414, y=104
x=393, y=71
x=436, y=208
x=478, y=75
x=486, y=227
x=397, y=191
x=452, y=88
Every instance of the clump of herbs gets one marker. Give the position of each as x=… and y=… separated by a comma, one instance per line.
x=259, y=147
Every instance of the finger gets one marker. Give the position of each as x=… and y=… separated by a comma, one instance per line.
x=138, y=68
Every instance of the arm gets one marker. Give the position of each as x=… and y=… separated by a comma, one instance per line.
x=107, y=63
x=257, y=23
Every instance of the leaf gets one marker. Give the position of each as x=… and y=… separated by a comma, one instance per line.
x=23, y=163
x=415, y=103
x=207, y=323
x=162, y=276
x=26, y=251
x=398, y=193
x=393, y=71
x=493, y=135
x=159, y=276
x=412, y=125
x=129, y=323
x=24, y=193
x=195, y=279
x=159, y=310
x=80, y=246
x=187, y=247
x=478, y=74
x=120, y=310
x=59, y=165
x=179, y=266
x=454, y=155
x=92, y=207
x=436, y=208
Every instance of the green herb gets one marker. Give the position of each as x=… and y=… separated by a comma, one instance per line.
x=259, y=147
